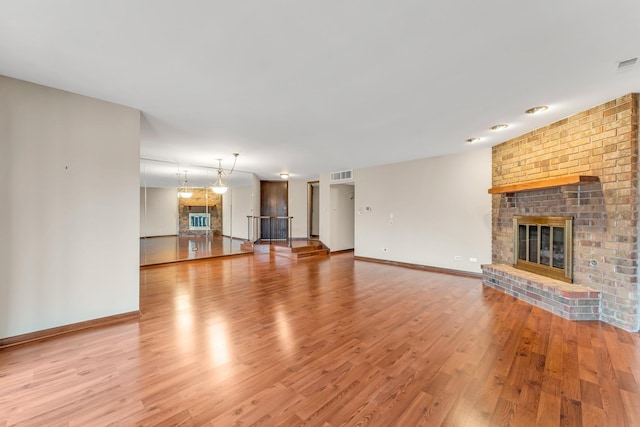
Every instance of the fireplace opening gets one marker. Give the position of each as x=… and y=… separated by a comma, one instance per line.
x=542, y=245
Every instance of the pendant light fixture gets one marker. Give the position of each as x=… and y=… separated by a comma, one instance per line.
x=219, y=187
x=184, y=192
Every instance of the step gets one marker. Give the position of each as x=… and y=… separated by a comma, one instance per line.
x=297, y=249
x=311, y=250
x=318, y=253
x=307, y=248
x=315, y=253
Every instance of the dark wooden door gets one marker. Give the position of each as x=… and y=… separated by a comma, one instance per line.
x=274, y=197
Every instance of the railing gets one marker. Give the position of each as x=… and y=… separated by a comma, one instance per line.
x=269, y=228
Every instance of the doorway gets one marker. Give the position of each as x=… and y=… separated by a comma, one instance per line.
x=274, y=196
x=313, y=208
x=342, y=223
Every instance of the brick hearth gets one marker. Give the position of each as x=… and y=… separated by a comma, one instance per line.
x=566, y=300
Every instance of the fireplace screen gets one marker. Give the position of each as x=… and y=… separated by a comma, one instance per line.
x=542, y=245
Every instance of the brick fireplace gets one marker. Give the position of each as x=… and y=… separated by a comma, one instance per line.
x=203, y=200
x=600, y=144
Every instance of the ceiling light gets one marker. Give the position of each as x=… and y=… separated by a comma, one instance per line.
x=536, y=110
x=219, y=187
x=473, y=140
x=499, y=127
x=184, y=192
x=284, y=175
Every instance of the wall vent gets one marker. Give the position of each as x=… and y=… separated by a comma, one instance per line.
x=627, y=65
x=341, y=176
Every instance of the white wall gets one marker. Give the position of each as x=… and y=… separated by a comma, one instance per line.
x=242, y=198
x=325, y=212
x=237, y=204
x=254, y=206
x=342, y=217
x=255, y=195
x=256, y=199
x=315, y=214
x=440, y=208
x=298, y=208
x=227, y=199
x=160, y=217
x=69, y=222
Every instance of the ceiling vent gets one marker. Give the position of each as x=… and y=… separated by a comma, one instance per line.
x=341, y=176
x=627, y=64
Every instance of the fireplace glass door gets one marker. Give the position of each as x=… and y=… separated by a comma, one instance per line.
x=542, y=245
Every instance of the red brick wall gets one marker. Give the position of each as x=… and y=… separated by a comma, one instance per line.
x=601, y=141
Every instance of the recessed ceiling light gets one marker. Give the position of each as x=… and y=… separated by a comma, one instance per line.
x=499, y=127
x=284, y=175
x=536, y=110
x=473, y=140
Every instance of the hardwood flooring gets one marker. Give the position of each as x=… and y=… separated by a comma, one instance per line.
x=264, y=340
x=164, y=249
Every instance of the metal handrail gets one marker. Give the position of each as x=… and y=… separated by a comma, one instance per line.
x=254, y=227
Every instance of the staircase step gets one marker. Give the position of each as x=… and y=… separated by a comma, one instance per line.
x=316, y=253
x=307, y=248
x=310, y=250
x=297, y=249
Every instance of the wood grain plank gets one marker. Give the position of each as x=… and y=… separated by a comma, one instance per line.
x=548, y=410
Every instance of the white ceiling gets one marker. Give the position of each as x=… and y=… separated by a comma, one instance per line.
x=310, y=87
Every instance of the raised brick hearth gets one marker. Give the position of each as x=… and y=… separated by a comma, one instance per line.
x=601, y=142
x=566, y=300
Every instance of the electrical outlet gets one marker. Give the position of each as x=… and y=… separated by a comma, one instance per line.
x=457, y=258
x=472, y=259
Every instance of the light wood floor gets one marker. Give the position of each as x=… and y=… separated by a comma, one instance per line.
x=264, y=340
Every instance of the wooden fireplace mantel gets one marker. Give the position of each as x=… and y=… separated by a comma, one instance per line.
x=544, y=183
